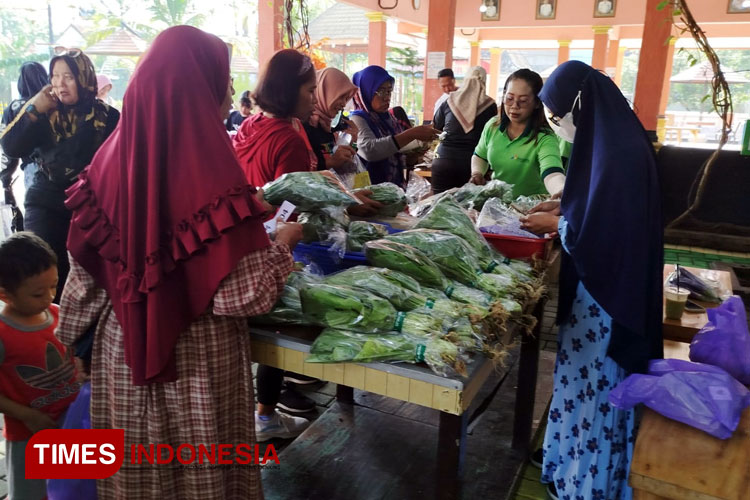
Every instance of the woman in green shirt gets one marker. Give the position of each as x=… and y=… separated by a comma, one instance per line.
x=519, y=146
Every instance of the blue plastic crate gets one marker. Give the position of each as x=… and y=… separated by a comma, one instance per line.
x=329, y=262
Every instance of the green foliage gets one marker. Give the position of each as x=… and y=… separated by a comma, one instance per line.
x=175, y=12
x=406, y=66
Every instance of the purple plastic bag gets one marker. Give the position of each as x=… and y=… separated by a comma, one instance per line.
x=701, y=396
x=725, y=340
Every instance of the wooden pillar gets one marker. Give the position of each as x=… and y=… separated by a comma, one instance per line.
x=652, y=66
x=476, y=54
x=601, y=41
x=377, y=39
x=661, y=119
x=270, y=21
x=563, y=51
x=441, y=20
x=612, y=53
x=618, y=66
x=495, y=58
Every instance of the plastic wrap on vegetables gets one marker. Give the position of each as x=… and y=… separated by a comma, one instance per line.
x=317, y=226
x=497, y=218
x=346, y=307
x=288, y=308
x=360, y=232
x=308, y=191
x=699, y=289
x=406, y=259
x=447, y=215
x=420, y=208
x=443, y=357
x=449, y=252
x=473, y=197
x=390, y=195
x=526, y=203
x=375, y=281
x=418, y=188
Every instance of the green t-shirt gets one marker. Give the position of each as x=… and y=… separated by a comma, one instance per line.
x=518, y=162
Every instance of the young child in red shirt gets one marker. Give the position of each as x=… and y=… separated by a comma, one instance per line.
x=37, y=373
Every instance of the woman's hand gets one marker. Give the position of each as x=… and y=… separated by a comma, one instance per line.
x=351, y=129
x=424, y=133
x=266, y=206
x=288, y=233
x=551, y=206
x=343, y=154
x=368, y=207
x=478, y=179
x=45, y=100
x=540, y=222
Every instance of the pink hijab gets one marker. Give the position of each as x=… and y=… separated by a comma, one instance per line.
x=164, y=211
x=332, y=85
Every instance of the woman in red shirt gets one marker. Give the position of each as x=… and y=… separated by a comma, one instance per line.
x=268, y=144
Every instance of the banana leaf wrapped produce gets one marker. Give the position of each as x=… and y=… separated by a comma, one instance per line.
x=360, y=232
x=405, y=259
x=442, y=356
x=390, y=195
x=447, y=215
x=317, y=226
x=374, y=280
x=449, y=252
x=308, y=191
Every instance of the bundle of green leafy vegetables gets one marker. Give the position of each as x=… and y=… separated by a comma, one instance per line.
x=442, y=356
x=449, y=252
x=375, y=281
x=339, y=306
x=288, y=307
x=405, y=259
x=317, y=226
x=360, y=232
x=390, y=195
x=308, y=191
x=471, y=196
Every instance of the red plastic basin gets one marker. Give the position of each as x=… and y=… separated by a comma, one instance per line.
x=517, y=247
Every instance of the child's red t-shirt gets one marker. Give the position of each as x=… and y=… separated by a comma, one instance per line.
x=36, y=370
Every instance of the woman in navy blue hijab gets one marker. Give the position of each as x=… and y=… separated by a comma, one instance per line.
x=381, y=137
x=610, y=306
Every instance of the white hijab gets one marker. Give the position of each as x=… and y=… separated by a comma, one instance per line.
x=471, y=99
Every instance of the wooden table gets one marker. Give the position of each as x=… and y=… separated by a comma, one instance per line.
x=685, y=328
x=673, y=460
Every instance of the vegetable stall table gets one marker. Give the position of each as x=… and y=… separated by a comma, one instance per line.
x=287, y=346
x=685, y=328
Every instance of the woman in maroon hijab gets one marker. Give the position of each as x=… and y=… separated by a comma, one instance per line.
x=169, y=256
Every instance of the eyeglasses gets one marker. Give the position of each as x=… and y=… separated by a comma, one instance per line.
x=522, y=102
x=64, y=51
x=384, y=93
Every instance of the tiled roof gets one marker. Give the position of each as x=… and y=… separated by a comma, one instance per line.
x=340, y=22
x=122, y=42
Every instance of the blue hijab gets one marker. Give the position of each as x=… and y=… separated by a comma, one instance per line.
x=382, y=124
x=612, y=205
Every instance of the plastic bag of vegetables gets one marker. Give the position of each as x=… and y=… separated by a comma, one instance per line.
x=449, y=252
x=699, y=289
x=442, y=356
x=360, y=232
x=317, y=226
x=390, y=195
x=406, y=259
x=497, y=218
x=375, y=281
x=420, y=208
x=447, y=215
x=339, y=306
x=308, y=191
x=288, y=308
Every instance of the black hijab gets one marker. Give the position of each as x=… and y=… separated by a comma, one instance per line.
x=31, y=80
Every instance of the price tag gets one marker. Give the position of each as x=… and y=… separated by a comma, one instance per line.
x=285, y=211
x=361, y=180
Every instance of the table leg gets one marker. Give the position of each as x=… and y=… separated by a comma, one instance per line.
x=450, y=453
x=528, y=367
x=344, y=394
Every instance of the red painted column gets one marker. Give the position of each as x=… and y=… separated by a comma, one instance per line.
x=270, y=21
x=377, y=39
x=652, y=66
x=441, y=20
x=601, y=42
x=476, y=54
x=563, y=51
x=613, y=53
x=493, y=90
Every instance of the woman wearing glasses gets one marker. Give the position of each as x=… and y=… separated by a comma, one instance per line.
x=380, y=136
x=519, y=146
x=60, y=128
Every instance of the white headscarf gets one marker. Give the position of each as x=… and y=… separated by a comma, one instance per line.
x=470, y=100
